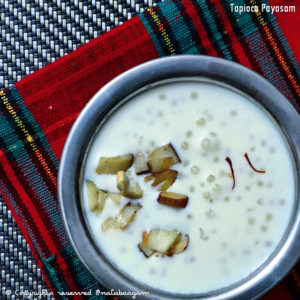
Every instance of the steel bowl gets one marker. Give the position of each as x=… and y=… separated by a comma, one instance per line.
x=119, y=91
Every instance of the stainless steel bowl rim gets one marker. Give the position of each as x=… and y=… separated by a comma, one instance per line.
x=99, y=108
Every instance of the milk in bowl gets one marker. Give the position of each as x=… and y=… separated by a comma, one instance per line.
x=188, y=187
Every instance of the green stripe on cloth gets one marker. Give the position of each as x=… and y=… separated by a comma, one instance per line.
x=27, y=150
x=29, y=164
x=85, y=281
x=160, y=24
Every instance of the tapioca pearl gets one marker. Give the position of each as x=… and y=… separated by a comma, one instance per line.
x=251, y=221
x=195, y=170
x=227, y=199
x=268, y=244
x=194, y=95
x=206, y=195
x=252, y=149
x=216, y=159
x=192, y=259
x=123, y=250
x=160, y=114
x=247, y=187
x=263, y=143
x=256, y=242
x=203, y=236
x=212, y=133
x=185, y=145
x=210, y=178
x=189, y=133
x=282, y=202
x=260, y=183
x=162, y=96
x=152, y=143
x=247, y=252
x=186, y=163
x=192, y=189
x=210, y=213
x=269, y=217
x=233, y=113
x=202, y=184
x=206, y=144
x=260, y=201
x=225, y=174
x=250, y=209
x=263, y=228
x=224, y=245
x=201, y=122
x=189, y=216
x=272, y=150
x=213, y=231
x=217, y=188
x=152, y=271
x=238, y=198
x=210, y=144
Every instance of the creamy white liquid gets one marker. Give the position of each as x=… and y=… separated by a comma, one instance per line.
x=240, y=227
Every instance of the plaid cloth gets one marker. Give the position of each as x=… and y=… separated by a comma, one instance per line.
x=36, y=114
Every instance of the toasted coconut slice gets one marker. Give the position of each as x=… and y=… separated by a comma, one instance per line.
x=111, y=165
x=127, y=214
x=140, y=164
x=92, y=195
x=102, y=196
x=115, y=197
x=162, y=158
x=148, y=178
x=168, y=177
x=180, y=247
x=146, y=251
x=162, y=240
x=127, y=186
x=142, y=245
x=109, y=223
x=173, y=199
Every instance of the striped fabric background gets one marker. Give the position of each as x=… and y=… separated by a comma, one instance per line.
x=36, y=114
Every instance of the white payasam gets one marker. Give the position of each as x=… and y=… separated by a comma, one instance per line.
x=231, y=231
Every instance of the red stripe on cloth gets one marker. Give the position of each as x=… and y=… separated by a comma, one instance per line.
x=289, y=22
x=28, y=240
x=193, y=14
x=38, y=227
x=16, y=188
x=105, y=57
x=235, y=43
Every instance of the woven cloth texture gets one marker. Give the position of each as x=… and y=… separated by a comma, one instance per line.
x=38, y=111
x=32, y=35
